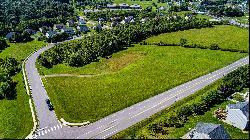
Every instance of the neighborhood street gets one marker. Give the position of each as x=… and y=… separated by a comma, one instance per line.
x=51, y=128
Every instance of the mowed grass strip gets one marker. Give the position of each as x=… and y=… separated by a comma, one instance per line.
x=15, y=116
x=160, y=68
x=226, y=36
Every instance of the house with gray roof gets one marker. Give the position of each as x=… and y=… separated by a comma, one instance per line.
x=50, y=34
x=11, y=35
x=111, y=6
x=207, y=131
x=58, y=26
x=238, y=115
x=123, y=6
x=69, y=30
x=135, y=6
x=83, y=28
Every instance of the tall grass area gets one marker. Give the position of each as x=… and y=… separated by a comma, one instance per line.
x=225, y=36
x=140, y=130
x=15, y=116
x=157, y=70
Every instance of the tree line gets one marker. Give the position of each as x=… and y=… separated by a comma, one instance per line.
x=8, y=68
x=86, y=50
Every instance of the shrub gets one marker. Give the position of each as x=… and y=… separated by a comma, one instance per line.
x=3, y=44
x=183, y=41
x=214, y=47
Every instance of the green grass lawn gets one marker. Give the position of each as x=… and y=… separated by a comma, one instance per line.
x=225, y=36
x=20, y=51
x=15, y=116
x=149, y=71
x=144, y=4
x=141, y=129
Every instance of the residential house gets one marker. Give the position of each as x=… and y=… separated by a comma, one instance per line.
x=70, y=23
x=82, y=28
x=238, y=115
x=117, y=19
x=44, y=29
x=143, y=20
x=112, y=6
x=207, y=131
x=69, y=30
x=162, y=8
x=114, y=23
x=50, y=34
x=135, y=6
x=101, y=19
x=127, y=19
x=11, y=35
x=98, y=27
x=124, y=6
x=58, y=26
x=30, y=31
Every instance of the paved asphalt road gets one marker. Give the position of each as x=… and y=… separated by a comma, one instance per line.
x=50, y=127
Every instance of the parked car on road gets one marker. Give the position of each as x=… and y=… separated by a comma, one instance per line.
x=49, y=104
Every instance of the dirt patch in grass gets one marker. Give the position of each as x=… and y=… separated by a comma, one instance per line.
x=118, y=63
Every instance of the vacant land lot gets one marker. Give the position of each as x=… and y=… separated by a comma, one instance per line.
x=148, y=71
x=224, y=35
x=142, y=129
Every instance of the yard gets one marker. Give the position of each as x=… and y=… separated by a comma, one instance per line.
x=224, y=35
x=128, y=77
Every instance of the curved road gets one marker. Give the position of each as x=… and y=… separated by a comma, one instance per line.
x=50, y=127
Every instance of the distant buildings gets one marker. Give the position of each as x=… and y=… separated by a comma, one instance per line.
x=238, y=115
x=207, y=131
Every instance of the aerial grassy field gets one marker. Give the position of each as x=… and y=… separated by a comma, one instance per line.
x=144, y=4
x=15, y=116
x=140, y=130
x=20, y=51
x=225, y=36
x=147, y=71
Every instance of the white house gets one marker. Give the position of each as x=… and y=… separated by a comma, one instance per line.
x=238, y=115
x=207, y=131
x=82, y=28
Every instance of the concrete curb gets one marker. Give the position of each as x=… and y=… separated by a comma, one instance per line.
x=30, y=100
x=73, y=124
